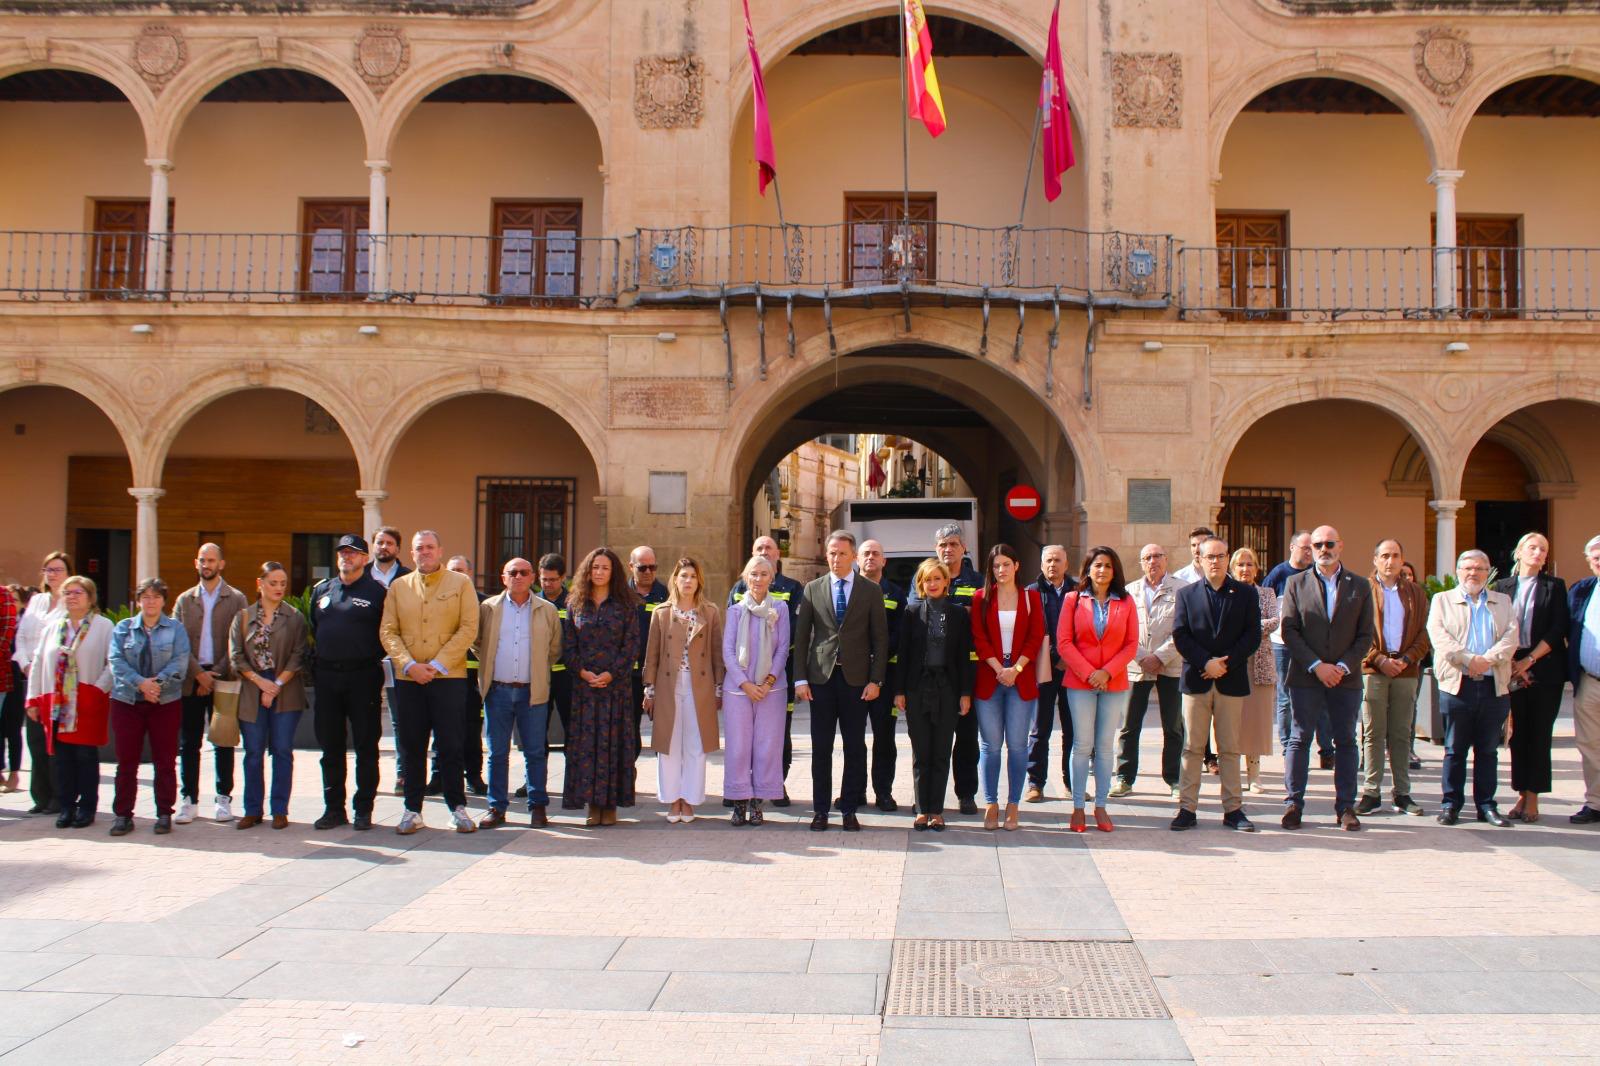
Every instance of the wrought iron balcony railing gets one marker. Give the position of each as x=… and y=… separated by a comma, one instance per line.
x=941, y=260
x=507, y=270
x=1312, y=284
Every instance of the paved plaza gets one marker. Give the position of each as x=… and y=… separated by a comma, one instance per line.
x=650, y=943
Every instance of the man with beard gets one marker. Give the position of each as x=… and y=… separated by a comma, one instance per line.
x=205, y=612
x=385, y=568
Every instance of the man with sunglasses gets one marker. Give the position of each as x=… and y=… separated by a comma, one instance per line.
x=652, y=593
x=1328, y=628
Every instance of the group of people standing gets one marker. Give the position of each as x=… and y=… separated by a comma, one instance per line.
x=980, y=667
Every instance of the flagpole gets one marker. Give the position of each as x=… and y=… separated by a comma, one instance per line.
x=1027, y=174
x=905, y=125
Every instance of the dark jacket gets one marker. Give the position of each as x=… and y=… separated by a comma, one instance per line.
x=1052, y=615
x=860, y=645
x=1577, y=607
x=1312, y=637
x=1551, y=621
x=910, y=664
x=288, y=646
x=648, y=602
x=1200, y=637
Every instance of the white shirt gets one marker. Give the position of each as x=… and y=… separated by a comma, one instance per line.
x=1008, y=626
x=207, y=654
x=512, y=652
x=384, y=578
x=31, y=627
x=1189, y=575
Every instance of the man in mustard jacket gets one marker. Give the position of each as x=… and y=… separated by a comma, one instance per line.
x=430, y=620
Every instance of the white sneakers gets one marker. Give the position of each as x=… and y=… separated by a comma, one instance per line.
x=185, y=813
x=224, y=809
x=461, y=818
x=410, y=822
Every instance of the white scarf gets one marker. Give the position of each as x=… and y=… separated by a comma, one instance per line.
x=757, y=667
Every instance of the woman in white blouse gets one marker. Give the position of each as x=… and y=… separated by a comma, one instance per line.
x=69, y=695
x=30, y=628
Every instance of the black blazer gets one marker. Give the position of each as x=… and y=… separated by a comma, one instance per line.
x=1577, y=609
x=1199, y=638
x=909, y=663
x=1551, y=621
x=1311, y=636
x=860, y=646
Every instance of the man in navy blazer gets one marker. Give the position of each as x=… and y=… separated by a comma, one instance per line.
x=1583, y=659
x=1218, y=628
x=1328, y=627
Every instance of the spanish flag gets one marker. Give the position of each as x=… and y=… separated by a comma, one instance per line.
x=922, y=98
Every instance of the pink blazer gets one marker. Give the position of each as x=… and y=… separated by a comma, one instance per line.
x=1084, y=653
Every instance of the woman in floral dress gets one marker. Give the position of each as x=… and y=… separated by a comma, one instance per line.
x=601, y=633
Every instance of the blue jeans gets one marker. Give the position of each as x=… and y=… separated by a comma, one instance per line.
x=1096, y=717
x=1281, y=658
x=1472, y=723
x=1342, y=708
x=503, y=708
x=1004, y=717
x=271, y=731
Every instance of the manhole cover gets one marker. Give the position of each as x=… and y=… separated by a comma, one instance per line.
x=1020, y=979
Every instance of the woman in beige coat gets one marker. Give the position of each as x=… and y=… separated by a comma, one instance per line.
x=267, y=647
x=682, y=677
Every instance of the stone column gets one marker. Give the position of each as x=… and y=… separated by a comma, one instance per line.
x=1444, y=240
x=371, y=510
x=1444, y=524
x=158, y=240
x=378, y=228
x=146, y=549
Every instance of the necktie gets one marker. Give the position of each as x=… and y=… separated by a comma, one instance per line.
x=838, y=601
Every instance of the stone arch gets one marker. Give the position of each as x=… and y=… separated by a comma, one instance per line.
x=1583, y=64
x=1502, y=405
x=1228, y=428
x=87, y=59
x=413, y=87
x=1392, y=85
x=576, y=410
x=1520, y=432
x=201, y=392
x=85, y=381
x=190, y=87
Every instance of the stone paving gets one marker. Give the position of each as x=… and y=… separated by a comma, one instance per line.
x=704, y=944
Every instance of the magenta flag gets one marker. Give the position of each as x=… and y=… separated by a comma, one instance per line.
x=766, y=158
x=1057, y=122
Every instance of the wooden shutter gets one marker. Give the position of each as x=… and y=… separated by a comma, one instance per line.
x=1251, y=247
x=1487, y=280
x=879, y=243
x=536, y=249
x=334, y=249
x=117, y=248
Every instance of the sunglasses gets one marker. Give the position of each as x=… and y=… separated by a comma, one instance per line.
x=640, y=567
x=1324, y=544
x=519, y=573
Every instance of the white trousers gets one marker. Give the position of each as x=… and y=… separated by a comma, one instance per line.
x=682, y=773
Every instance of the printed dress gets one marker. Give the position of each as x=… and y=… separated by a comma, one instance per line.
x=600, y=746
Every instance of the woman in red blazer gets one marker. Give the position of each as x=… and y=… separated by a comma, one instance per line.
x=1097, y=637
x=1008, y=633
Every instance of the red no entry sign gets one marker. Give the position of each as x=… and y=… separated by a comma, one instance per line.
x=1022, y=503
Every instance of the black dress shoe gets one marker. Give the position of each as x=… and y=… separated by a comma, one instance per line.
x=83, y=820
x=330, y=820
x=63, y=820
x=1237, y=821
x=1291, y=818
x=887, y=804
x=850, y=823
x=1415, y=763
x=969, y=805
x=1184, y=819
x=819, y=822
x=1325, y=762
x=726, y=802
x=1349, y=822
x=434, y=787
x=122, y=826
x=1492, y=815
x=163, y=824
x=521, y=793
x=1448, y=816
x=39, y=808
x=785, y=801
x=363, y=820
x=1367, y=804
x=478, y=787
x=1585, y=816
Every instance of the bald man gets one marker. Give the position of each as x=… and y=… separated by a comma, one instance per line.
x=205, y=611
x=642, y=570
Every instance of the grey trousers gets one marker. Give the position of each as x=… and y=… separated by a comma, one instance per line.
x=1386, y=708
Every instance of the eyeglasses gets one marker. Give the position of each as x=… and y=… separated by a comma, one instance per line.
x=641, y=567
x=1214, y=558
x=1324, y=544
x=519, y=573
x=53, y=570
x=1154, y=555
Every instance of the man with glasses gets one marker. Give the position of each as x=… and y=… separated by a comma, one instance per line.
x=1156, y=665
x=652, y=593
x=1584, y=662
x=1299, y=562
x=205, y=612
x=1474, y=635
x=1328, y=629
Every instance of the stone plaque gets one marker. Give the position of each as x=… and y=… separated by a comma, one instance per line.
x=1149, y=501
x=381, y=55
x=1157, y=408
x=1147, y=89
x=159, y=52
x=1443, y=60
x=668, y=403
x=668, y=91
x=669, y=492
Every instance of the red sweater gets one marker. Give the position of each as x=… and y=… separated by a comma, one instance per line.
x=1027, y=639
x=1084, y=653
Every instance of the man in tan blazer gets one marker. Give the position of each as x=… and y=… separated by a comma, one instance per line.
x=1390, y=673
x=1474, y=634
x=205, y=612
x=430, y=619
x=519, y=640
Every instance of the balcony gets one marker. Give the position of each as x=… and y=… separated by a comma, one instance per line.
x=1331, y=284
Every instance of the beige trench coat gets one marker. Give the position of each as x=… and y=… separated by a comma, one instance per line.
x=662, y=656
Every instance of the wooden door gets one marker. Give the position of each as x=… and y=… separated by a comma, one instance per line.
x=883, y=239
x=1251, y=248
x=1487, y=279
x=1257, y=519
x=334, y=249
x=536, y=250
x=117, y=248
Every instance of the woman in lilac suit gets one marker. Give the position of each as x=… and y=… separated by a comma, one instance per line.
x=755, y=651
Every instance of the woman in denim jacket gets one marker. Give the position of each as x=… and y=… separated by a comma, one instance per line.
x=149, y=659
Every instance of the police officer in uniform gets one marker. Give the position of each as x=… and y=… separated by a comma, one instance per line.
x=785, y=590
x=951, y=549
x=346, y=610
x=881, y=711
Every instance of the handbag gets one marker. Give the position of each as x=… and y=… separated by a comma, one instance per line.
x=224, y=731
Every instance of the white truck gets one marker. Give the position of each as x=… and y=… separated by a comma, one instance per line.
x=906, y=528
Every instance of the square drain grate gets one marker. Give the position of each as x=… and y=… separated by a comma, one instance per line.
x=1021, y=979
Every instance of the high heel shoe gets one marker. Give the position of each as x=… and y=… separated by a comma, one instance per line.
x=1078, y=825
x=991, y=816
x=1011, y=817
x=594, y=816
x=1102, y=820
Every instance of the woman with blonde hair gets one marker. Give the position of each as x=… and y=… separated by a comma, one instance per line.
x=1256, y=718
x=266, y=646
x=933, y=677
x=69, y=696
x=755, y=657
x=682, y=676
x=1538, y=670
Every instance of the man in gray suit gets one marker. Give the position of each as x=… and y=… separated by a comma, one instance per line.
x=841, y=646
x=1327, y=627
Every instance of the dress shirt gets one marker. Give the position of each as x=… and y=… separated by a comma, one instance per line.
x=513, y=663
x=1330, y=588
x=833, y=587
x=1102, y=615
x=383, y=578
x=1394, y=619
x=1480, y=627
x=1589, y=643
x=1189, y=575
x=208, y=603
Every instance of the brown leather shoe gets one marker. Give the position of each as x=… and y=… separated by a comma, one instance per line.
x=1034, y=794
x=608, y=816
x=1349, y=822
x=1292, y=818
x=495, y=817
x=249, y=821
x=280, y=821
x=539, y=818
